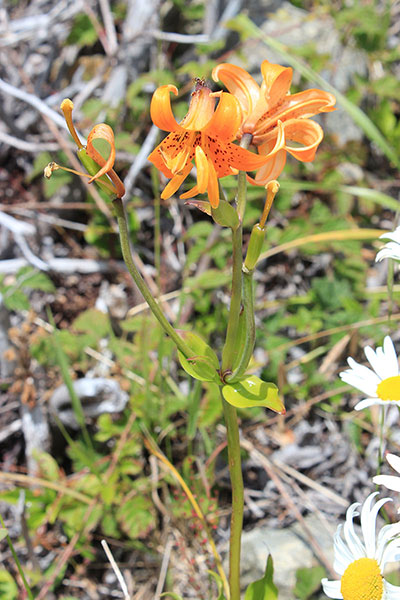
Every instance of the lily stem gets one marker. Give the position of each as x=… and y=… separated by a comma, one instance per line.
x=230, y=350
x=250, y=327
x=138, y=279
x=235, y=471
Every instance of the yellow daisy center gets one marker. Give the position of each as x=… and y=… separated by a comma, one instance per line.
x=362, y=580
x=389, y=388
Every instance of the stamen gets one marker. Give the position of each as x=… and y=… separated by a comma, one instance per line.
x=67, y=107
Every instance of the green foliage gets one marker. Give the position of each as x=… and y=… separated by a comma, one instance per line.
x=83, y=32
x=204, y=364
x=252, y=392
x=263, y=589
x=308, y=581
x=15, y=296
x=8, y=587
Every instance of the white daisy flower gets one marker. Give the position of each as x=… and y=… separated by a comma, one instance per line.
x=381, y=384
x=392, y=248
x=390, y=481
x=360, y=562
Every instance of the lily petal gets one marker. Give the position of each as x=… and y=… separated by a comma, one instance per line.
x=161, y=111
x=239, y=83
x=201, y=108
x=175, y=182
x=302, y=105
x=271, y=170
x=276, y=82
x=226, y=119
x=104, y=132
x=157, y=159
x=305, y=132
x=101, y=132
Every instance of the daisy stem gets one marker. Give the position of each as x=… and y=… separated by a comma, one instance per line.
x=138, y=279
x=235, y=471
x=381, y=435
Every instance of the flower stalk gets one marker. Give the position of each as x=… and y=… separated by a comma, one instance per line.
x=138, y=279
x=235, y=471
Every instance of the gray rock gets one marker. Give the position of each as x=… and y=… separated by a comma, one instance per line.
x=289, y=549
x=97, y=395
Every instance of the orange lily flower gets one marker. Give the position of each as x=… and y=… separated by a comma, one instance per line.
x=105, y=176
x=265, y=107
x=205, y=135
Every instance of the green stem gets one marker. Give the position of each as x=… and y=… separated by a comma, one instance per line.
x=381, y=437
x=230, y=350
x=242, y=181
x=138, y=279
x=248, y=307
x=17, y=562
x=235, y=470
x=155, y=180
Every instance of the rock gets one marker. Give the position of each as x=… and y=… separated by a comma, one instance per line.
x=97, y=395
x=290, y=551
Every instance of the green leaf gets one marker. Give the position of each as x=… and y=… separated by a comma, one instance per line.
x=93, y=321
x=17, y=300
x=308, y=581
x=225, y=215
x=47, y=464
x=204, y=364
x=135, y=517
x=3, y=533
x=8, y=587
x=263, y=589
x=171, y=595
x=35, y=280
x=251, y=392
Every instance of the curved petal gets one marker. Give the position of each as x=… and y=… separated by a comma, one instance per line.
x=101, y=132
x=271, y=170
x=304, y=132
x=104, y=132
x=156, y=157
x=226, y=120
x=276, y=82
x=240, y=84
x=161, y=111
x=244, y=160
x=190, y=193
x=302, y=105
x=201, y=108
x=275, y=156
